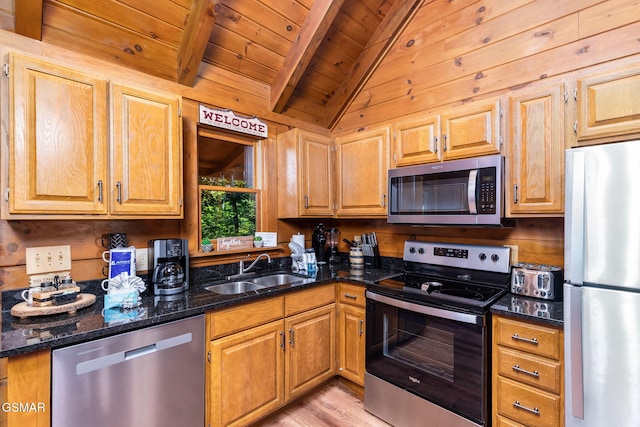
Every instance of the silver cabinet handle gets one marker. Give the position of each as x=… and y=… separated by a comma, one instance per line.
x=444, y=140
x=384, y=200
x=100, y=190
x=534, y=374
x=350, y=296
x=517, y=337
x=518, y=405
x=119, y=194
x=306, y=201
x=291, y=337
x=435, y=144
x=361, y=331
x=515, y=193
x=282, y=340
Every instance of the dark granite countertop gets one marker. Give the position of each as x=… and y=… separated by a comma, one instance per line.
x=531, y=309
x=26, y=335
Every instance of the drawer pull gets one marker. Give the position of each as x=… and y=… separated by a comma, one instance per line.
x=534, y=374
x=517, y=337
x=534, y=411
x=350, y=296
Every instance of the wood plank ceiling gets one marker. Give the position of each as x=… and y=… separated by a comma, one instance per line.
x=314, y=54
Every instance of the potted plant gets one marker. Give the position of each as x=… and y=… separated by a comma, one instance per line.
x=257, y=241
x=206, y=245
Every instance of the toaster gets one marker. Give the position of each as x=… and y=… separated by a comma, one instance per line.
x=537, y=281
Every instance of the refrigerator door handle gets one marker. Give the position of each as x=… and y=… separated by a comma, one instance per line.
x=574, y=223
x=573, y=344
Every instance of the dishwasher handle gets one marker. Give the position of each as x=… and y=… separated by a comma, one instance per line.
x=124, y=356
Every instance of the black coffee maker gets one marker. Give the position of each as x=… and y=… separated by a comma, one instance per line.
x=168, y=266
x=318, y=241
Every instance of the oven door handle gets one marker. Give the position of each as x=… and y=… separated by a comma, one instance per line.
x=428, y=310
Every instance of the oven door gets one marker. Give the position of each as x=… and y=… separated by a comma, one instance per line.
x=434, y=353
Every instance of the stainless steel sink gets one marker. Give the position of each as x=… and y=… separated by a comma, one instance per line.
x=232, y=288
x=255, y=284
x=279, y=279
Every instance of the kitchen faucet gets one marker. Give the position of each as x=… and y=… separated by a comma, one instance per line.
x=244, y=270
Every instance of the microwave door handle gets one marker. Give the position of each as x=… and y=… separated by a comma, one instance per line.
x=471, y=191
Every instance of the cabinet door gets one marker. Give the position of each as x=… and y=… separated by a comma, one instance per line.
x=535, y=182
x=416, y=140
x=361, y=173
x=351, y=363
x=316, y=174
x=310, y=350
x=57, y=139
x=146, y=153
x=609, y=106
x=471, y=130
x=246, y=375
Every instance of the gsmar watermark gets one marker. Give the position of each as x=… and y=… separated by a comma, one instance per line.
x=24, y=407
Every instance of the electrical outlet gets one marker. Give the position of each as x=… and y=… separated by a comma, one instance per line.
x=142, y=259
x=46, y=259
x=514, y=253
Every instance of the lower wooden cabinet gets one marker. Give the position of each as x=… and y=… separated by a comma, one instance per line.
x=255, y=370
x=351, y=330
x=528, y=379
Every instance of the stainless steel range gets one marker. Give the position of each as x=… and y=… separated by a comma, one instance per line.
x=428, y=335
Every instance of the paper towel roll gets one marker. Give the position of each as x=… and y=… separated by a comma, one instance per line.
x=299, y=239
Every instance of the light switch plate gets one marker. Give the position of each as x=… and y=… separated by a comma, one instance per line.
x=47, y=259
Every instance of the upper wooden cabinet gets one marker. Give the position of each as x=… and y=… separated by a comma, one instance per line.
x=67, y=160
x=146, y=153
x=57, y=140
x=362, y=162
x=305, y=174
x=535, y=158
x=608, y=106
x=416, y=140
x=472, y=130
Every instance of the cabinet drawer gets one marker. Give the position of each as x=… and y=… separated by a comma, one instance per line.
x=501, y=421
x=300, y=301
x=536, y=339
x=235, y=319
x=527, y=405
x=351, y=294
x=529, y=369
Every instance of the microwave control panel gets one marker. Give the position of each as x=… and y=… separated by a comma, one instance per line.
x=487, y=200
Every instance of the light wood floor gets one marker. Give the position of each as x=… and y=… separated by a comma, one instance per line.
x=333, y=404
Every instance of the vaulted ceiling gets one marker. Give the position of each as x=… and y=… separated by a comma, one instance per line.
x=313, y=54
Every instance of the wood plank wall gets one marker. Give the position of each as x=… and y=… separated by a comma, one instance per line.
x=453, y=52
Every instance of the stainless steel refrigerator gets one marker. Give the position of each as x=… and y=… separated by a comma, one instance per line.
x=602, y=285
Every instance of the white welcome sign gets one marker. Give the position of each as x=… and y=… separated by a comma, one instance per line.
x=227, y=119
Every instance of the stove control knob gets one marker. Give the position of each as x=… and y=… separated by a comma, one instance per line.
x=482, y=256
x=421, y=251
x=495, y=257
x=412, y=250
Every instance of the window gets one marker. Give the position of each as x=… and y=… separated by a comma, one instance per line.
x=228, y=197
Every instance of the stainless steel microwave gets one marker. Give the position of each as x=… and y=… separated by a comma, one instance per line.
x=457, y=192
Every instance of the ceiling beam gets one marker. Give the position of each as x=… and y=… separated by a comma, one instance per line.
x=312, y=32
x=29, y=18
x=377, y=47
x=194, y=40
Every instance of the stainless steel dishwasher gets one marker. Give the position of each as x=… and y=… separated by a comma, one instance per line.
x=149, y=377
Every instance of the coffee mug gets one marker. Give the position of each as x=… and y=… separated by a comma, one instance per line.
x=27, y=294
x=115, y=240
